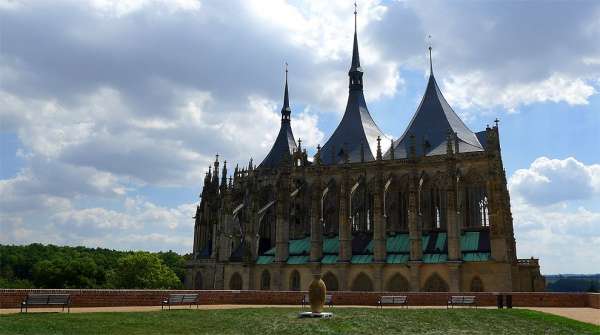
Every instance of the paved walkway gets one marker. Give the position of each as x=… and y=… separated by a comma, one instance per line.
x=589, y=315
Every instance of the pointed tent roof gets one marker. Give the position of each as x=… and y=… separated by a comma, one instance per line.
x=430, y=125
x=357, y=132
x=285, y=144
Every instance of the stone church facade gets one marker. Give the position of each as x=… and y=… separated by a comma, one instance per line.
x=429, y=211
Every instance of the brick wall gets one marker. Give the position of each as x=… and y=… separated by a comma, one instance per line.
x=11, y=298
x=594, y=300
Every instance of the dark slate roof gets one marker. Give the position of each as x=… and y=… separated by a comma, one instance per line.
x=357, y=128
x=430, y=125
x=285, y=144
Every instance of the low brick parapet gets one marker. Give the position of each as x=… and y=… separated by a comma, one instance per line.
x=11, y=298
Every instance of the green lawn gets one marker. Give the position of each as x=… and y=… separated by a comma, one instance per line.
x=284, y=321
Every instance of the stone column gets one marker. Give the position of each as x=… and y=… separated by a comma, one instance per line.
x=415, y=275
x=379, y=252
x=378, y=278
x=452, y=226
x=282, y=221
x=414, y=226
x=498, y=242
x=454, y=276
x=277, y=278
x=345, y=230
x=316, y=225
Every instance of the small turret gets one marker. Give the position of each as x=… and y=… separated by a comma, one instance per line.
x=224, y=176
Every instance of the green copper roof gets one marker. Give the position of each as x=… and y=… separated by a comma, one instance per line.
x=265, y=259
x=469, y=241
x=299, y=247
x=398, y=244
x=425, y=242
x=440, y=242
x=397, y=258
x=295, y=260
x=434, y=258
x=361, y=259
x=397, y=247
x=331, y=245
x=476, y=256
x=329, y=259
x=369, y=247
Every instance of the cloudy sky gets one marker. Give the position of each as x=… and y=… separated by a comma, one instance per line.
x=112, y=110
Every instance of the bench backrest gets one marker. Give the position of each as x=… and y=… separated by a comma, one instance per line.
x=38, y=299
x=177, y=298
x=462, y=299
x=189, y=298
x=393, y=299
x=58, y=298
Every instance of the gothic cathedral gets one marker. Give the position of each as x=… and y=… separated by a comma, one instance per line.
x=429, y=211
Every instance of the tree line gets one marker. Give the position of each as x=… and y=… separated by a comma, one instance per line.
x=49, y=266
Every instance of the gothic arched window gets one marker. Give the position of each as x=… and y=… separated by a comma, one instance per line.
x=331, y=282
x=265, y=280
x=362, y=283
x=295, y=281
x=235, y=282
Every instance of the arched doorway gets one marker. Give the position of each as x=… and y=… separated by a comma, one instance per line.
x=198, y=281
x=435, y=283
x=265, y=280
x=398, y=283
x=331, y=282
x=235, y=282
x=362, y=283
x=476, y=284
x=295, y=281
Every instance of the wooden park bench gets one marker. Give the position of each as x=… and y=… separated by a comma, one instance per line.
x=464, y=300
x=63, y=300
x=328, y=300
x=401, y=300
x=180, y=299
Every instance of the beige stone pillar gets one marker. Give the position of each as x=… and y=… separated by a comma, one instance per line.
x=282, y=221
x=453, y=229
x=345, y=230
x=498, y=242
x=379, y=252
x=454, y=276
x=414, y=227
x=415, y=275
x=316, y=226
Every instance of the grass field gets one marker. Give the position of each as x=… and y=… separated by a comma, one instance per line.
x=284, y=321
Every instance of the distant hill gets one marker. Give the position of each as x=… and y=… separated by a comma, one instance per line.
x=573, y=283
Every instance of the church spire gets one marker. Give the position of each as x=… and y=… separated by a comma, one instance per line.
x=285, y=144
x=285, y=109
x=355, y=74
x=430, y=59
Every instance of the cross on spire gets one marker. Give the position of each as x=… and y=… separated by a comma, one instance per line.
x=285, y=109
x=355, y=14
x=430, y=60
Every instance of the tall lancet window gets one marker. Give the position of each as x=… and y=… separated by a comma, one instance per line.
x=483, y=212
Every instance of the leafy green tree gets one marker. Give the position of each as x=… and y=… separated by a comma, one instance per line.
x=142, y=270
